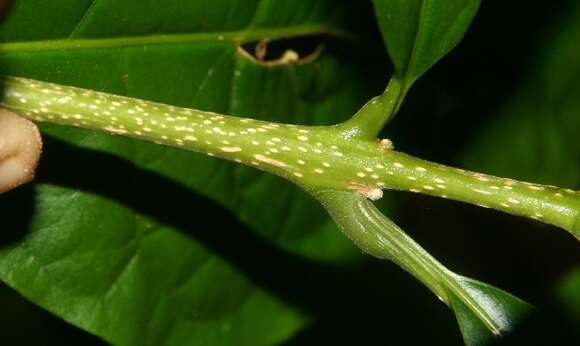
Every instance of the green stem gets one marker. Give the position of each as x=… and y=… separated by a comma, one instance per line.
x=378, y=236
x=368, y=122
x=316, y=158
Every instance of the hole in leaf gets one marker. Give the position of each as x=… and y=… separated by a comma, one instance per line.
x=288, y=51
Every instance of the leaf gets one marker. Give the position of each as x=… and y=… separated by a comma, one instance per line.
x=131, y=241
x=418, y=33
x=503, y=310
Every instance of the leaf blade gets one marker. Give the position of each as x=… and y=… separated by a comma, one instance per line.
x=501, y=309
x=419, y=33
x=103, y=252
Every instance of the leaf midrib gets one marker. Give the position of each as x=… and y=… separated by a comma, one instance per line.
x=420, y=24
x=236, y=37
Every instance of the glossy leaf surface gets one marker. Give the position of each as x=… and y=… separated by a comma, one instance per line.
x=418, y=33
x=132, y=241
x=498, y=307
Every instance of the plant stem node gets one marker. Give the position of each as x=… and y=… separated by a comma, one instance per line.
x=372, y=193
x=386, y=145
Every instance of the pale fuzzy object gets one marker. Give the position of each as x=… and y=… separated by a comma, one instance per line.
x=372, y=193
x=20, y=149
x=386, y=144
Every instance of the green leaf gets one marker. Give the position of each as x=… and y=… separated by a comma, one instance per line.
x=503, y=310
x=131, y=241
x=418, y=33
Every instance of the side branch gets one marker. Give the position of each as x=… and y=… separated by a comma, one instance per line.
x=378, y=236
x=368, y=122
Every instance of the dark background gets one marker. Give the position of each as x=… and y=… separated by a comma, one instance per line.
x=521, y=256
